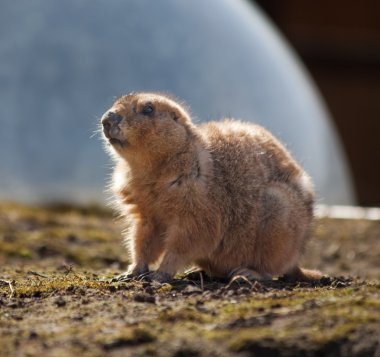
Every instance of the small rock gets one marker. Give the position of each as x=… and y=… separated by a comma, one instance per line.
x=36, y=294
x=60, y=301
x=70, y=288
x=81, y=291
x=244, y=291
x=230, y=293
x=33, y=334
x=77, y=318
x=72, y=238
x=112, y=288
x=149, y=290
x=144, y=298
x=45, y=251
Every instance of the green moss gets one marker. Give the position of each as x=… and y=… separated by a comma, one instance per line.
x=336, y=314
x=124, y=337
x=165, y=288
x=186, y=313
x=41, y=286
x=59, y=262
x=239, y=341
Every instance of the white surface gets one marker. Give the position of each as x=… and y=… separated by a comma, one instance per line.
x=347, y=212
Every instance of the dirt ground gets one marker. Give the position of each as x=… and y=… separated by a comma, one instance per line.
x=57, y=297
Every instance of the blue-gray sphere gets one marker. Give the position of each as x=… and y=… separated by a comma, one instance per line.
x=64, y=62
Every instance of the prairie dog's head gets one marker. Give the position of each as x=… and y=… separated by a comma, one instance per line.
x=146, y=124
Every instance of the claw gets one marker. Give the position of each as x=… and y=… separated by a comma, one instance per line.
x=144, y=276
x=133, y=273
x=122, y=278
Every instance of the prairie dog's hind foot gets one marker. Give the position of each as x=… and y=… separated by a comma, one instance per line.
x=305, y=275
x=249, y=274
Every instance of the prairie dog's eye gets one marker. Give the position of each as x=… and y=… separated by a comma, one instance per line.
x=147, y=109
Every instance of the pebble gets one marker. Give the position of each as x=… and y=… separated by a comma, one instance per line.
x=60, y=301
x=144, y=298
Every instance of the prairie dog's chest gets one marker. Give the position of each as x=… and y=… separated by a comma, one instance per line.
x=147, y=196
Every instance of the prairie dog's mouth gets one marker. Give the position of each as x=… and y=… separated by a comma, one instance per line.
x=115, y=141
x=113, y=135
x=111, y=128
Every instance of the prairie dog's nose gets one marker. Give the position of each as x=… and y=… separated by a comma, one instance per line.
x=111, y=119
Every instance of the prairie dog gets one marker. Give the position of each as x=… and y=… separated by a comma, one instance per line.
x=226, y=196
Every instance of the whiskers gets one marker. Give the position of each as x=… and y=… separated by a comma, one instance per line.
x=97, y=129
x=97, y=132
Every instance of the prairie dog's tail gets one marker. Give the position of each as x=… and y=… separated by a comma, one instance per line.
x=300, y=274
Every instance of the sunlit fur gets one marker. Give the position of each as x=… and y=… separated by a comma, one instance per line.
x=225, y=196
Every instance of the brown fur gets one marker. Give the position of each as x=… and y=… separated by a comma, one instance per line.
x=226, y=195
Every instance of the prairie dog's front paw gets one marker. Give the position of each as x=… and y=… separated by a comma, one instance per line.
x=133, y=271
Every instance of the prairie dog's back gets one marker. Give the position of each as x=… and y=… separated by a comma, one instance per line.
x=248, y=155
x=247, y=158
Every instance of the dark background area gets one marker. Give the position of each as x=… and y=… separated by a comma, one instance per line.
x=339, y=42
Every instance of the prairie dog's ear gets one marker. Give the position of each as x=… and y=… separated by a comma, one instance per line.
x=174, y=116
x=180, y=115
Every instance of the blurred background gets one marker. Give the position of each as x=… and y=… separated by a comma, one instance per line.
x=62, y=64
x=339, y=42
